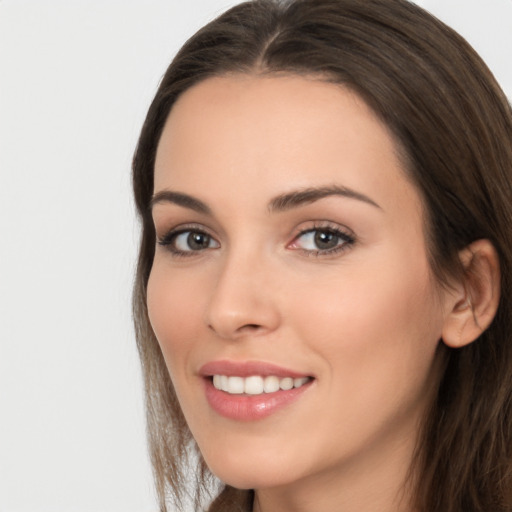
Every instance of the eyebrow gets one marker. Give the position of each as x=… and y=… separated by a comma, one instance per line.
x=280, y=203
x=167, y=196
x=297, y=198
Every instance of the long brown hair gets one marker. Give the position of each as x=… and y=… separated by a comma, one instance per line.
x=453, y=125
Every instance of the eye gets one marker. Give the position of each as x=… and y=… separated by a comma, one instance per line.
x=188, y=241
x=322, y=241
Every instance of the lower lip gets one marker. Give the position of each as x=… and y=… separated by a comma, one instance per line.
x=250, y=407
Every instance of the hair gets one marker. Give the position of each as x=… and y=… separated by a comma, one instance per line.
x=453, y=125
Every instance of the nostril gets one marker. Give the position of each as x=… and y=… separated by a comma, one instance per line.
x=249, y=327
x=231, y=313
x=239, y=331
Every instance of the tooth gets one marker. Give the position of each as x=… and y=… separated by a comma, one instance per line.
x=271, y=384
x=297, y=383
x=254, y=385
x=286, y=383
x=235, y=385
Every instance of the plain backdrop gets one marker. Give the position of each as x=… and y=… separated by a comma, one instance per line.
x=76, y=78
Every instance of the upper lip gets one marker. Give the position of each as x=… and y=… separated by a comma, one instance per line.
x=247, y=369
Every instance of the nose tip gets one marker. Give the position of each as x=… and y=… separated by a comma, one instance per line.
x=242, y=320
x=240, y=306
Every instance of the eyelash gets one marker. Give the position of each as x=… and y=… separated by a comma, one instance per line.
x=169, y=239
x=346, y=238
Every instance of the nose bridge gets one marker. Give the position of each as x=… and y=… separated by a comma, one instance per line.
x=242, y=300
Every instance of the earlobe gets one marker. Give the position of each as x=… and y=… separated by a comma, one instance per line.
x=474, y=306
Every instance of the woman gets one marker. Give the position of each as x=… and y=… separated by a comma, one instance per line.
x=321, y=300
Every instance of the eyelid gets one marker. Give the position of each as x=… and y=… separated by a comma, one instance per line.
x=180, y=228
x=319, y=225
x=166, y=240
x=346, y=235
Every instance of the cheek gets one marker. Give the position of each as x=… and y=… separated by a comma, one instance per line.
x=373, y=326
x=375, y=337
x=174, y=313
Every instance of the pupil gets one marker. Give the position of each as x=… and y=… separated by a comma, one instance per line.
x=197, y=241
x=325, y=240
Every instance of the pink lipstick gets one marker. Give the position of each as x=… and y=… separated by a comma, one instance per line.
x=251, y=390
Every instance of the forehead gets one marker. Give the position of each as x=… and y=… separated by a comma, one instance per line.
x=267, y=134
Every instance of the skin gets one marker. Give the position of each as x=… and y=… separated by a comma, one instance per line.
x=364, y=321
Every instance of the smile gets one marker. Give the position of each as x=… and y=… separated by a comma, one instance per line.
x=256, y=384
x=252, y=390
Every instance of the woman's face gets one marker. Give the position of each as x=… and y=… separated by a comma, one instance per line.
x=291, y=253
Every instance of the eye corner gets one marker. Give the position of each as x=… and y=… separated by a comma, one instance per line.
x=187, y=241
x=322, y=239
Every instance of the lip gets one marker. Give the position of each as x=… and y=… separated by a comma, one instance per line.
x=247, y=368
x=247, y=408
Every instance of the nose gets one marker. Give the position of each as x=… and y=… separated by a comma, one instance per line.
x=244, y=300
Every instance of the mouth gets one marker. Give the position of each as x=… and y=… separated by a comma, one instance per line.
x=251, y=390
x=256, y=384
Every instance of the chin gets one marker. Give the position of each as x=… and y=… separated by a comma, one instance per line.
x=244, y=472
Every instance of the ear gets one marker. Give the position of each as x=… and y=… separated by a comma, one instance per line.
x=475, y=302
